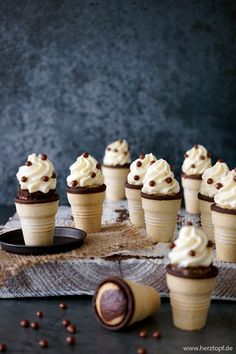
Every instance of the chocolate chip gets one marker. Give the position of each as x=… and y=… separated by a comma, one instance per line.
x=143, y=333
x=43, y=157
x=168, y=180
x=24, y=323
x=85, y=154
x=156, y=334
x=66, y=323
x=98, y=166
x=54, y=175
x=209, y=154
x=115, y=150
x=74, y=183
x=193, y=165
x=171, y=245
x=43, y=343
x=24, y=179
x=71, y=328
x=3, y=347
x=188, y=223
x=202, y=157
x=63, y=306
x=108, y=149
x=142, y=156
x=70, y=340
x=136, y=177
x=121, y=141
x=192, y=253
x=152, y=183
x=210, y=181
x=171, y=167
x=152, y=162
x=39, y=314
x=219, y=185
x=28, y=163
x=220, y=160
x=234, y=178
x=141, y=351
x=139, y=163
x=35, y=325
x=45, y=178
x=196, y=146
x=126, y=153
x=93, y=174
x=210, y=244
x=186, y=155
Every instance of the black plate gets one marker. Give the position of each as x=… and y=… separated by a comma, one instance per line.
x=65, y=239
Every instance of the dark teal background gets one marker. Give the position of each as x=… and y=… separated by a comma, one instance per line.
x=75, y=75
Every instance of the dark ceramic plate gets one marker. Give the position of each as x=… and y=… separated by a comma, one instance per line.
x=65, y=239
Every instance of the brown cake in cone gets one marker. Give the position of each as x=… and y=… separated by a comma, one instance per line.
x=196, y=161
x=115, y=169
x=190, y=278
x=161, y=201
x=205, y=204
x=119, y=303
x=86, y=193
x=36, y=201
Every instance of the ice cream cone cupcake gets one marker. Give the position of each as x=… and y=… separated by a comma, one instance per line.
x=86, y=193
x=133, y=187
x=36, y=201
x=224, y=218
x=161, y=201
x=119, y=303
x=190, y=278
x=115, y=169
x=209, y=188
x=197, y=160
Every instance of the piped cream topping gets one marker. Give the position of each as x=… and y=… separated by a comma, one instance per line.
x=226, y=197
x=196, y=161
x=212, y=177
x=117, y=153
x=139, y=167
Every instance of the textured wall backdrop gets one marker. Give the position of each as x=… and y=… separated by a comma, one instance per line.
x=75, y=75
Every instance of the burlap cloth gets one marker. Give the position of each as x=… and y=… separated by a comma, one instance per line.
x=119, y=249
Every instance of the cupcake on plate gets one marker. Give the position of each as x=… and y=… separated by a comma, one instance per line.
x=190, y=278
x=133, y=187
x=224, y=218
x=115, y=169
x=161, y=199
x=86, y=193
x=196, y=161
x=36, y=200
x=210, y=186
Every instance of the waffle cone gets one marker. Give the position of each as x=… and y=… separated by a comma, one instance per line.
x=190, y=300
x=115, y=178
x=160, y=218
x=191, y=189
x=87, y=210
x=225, y=236
x=37, y=222
x=206, y=218
x=146, y=301
x=136, y=213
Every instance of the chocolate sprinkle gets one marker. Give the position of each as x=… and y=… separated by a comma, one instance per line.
x=188, y=223
x=156, y=334
x=54, y=175
x=85, y=154
x=143, y=333
x=234, y=178
x=98, y=166
x=74, y=183
x=141, y=351
x=45, y=178
x=193, y=165
x=136, y=177
x=139, y=163
x=202, y=157
x=192, y=253
x=210, y=181
x=152, y=183
x=220, y=160
x=209, y=154
x=108, y=149
x=3, y=347
x=34, y=325
x=70, y=340
x=196, y=146
x=115, y=150
x=93, y=174
x=28, y=163
x=210, y=244
x=71, y=328
x=171, y=245
x=219, y=185
x=39, y=314
x=43, y=343
x=121, y=141
x=126, y=153
x=66, y=323
x=152, y=162
x=185, y=155
x=43, y=157
x=24, y=179
x=142, y=156
x=168, y=180
x=24, y=323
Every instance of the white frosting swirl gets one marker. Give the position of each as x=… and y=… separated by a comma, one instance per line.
x=191, y=249
x=211, y=177
x=138, y=169
x=85, y=172
x=226, y=197
x=159, y=179
x=196, y=160
x=37, y=175
x=117, y=154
